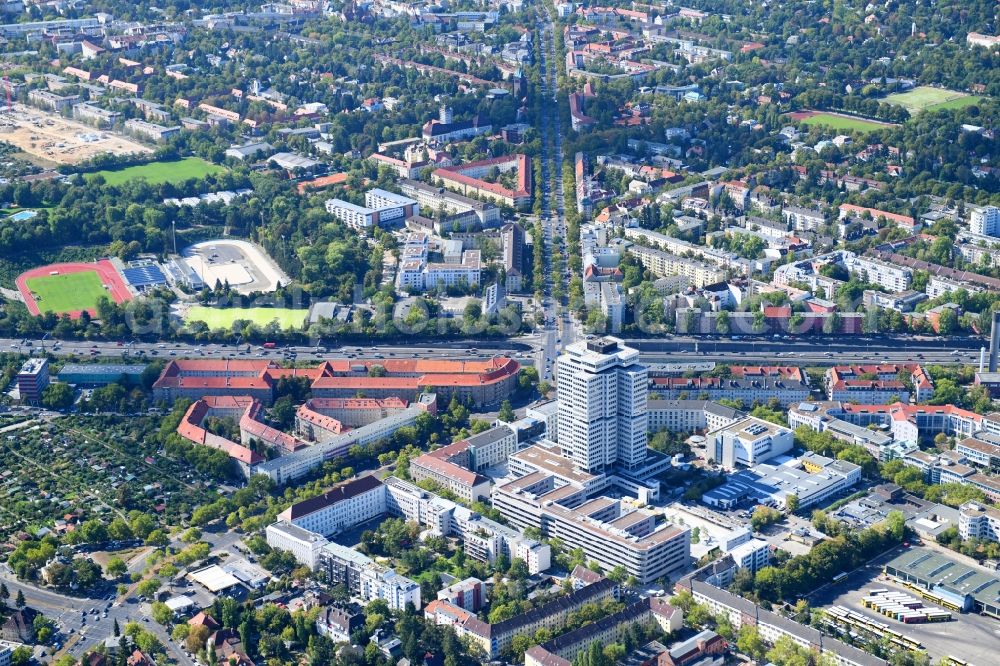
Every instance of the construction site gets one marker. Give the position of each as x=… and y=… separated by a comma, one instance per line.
x=53, y=139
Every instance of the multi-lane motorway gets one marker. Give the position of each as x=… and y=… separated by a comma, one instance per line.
x=802, y=350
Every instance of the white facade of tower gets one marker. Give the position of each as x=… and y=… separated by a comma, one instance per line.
x=602, y=404
x=985, y=221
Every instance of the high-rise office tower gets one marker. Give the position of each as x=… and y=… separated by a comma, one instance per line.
x=602, y=404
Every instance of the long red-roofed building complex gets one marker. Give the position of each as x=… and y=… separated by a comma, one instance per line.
x=468, y=179
x=481, y=383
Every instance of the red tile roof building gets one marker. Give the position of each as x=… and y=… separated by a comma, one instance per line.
x=878, y=383
x=468, y=179
x=481, y=383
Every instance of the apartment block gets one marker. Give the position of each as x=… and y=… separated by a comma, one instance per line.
x=753, y=555
x=150, y=131
x=773, y=626
x=95, y=115
x=886, y=275
x=978, y=521
x=440, y=199
x=985, y=221
x=494, y=639
x=382, y=208
x=663, y=264
x=750, y=385
x=342, y=507
x=689, y=415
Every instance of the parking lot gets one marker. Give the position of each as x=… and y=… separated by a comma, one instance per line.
x=972, y=637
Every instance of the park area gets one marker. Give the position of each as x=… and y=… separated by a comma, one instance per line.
x=224, y=317
x=156, y=173
x=926, y=97
x=71, y=288
x=838, y=121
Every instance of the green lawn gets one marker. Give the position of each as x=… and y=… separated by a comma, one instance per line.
x=926, y=97
x=173, y=171
x=68, y=292
x=837, y=122
x=224, y=317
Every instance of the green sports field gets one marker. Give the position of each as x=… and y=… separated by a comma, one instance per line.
x=68, y=292
x=926, y=97
x=224, y=317
x=173, y=171
x=839, y=122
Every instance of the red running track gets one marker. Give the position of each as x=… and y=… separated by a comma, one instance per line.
x=110, y=278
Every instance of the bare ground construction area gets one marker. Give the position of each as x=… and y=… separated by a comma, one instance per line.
x=49, y=136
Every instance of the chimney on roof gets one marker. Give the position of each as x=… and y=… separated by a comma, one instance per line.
x=994, y=341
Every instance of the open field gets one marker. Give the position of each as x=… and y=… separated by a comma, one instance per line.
x=926, y=97
x=245, y=266
x=174, y=171
x=224, y=318
x=71, y=288
x=838, y=121
x=50, y=137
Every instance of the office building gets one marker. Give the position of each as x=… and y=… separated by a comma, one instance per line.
x=608, y=531
x=32, y=379
x=747, y=442
x=602, y=405
x=300, y=542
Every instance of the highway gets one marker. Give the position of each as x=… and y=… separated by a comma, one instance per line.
x=804, y=350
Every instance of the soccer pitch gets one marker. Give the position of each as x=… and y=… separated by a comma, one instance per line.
x=839, y=122
x=155, y=173
x=68, y=292
x=926, y=97
x=224, y=317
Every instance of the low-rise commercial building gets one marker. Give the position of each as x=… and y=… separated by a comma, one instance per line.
x=747, y=442
x=811, y=480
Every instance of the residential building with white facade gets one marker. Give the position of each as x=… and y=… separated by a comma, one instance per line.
x=753, y=554
x=664, y=264
x=344, y=506
x=886, y=275
x=985, y=221
x=978, y=521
